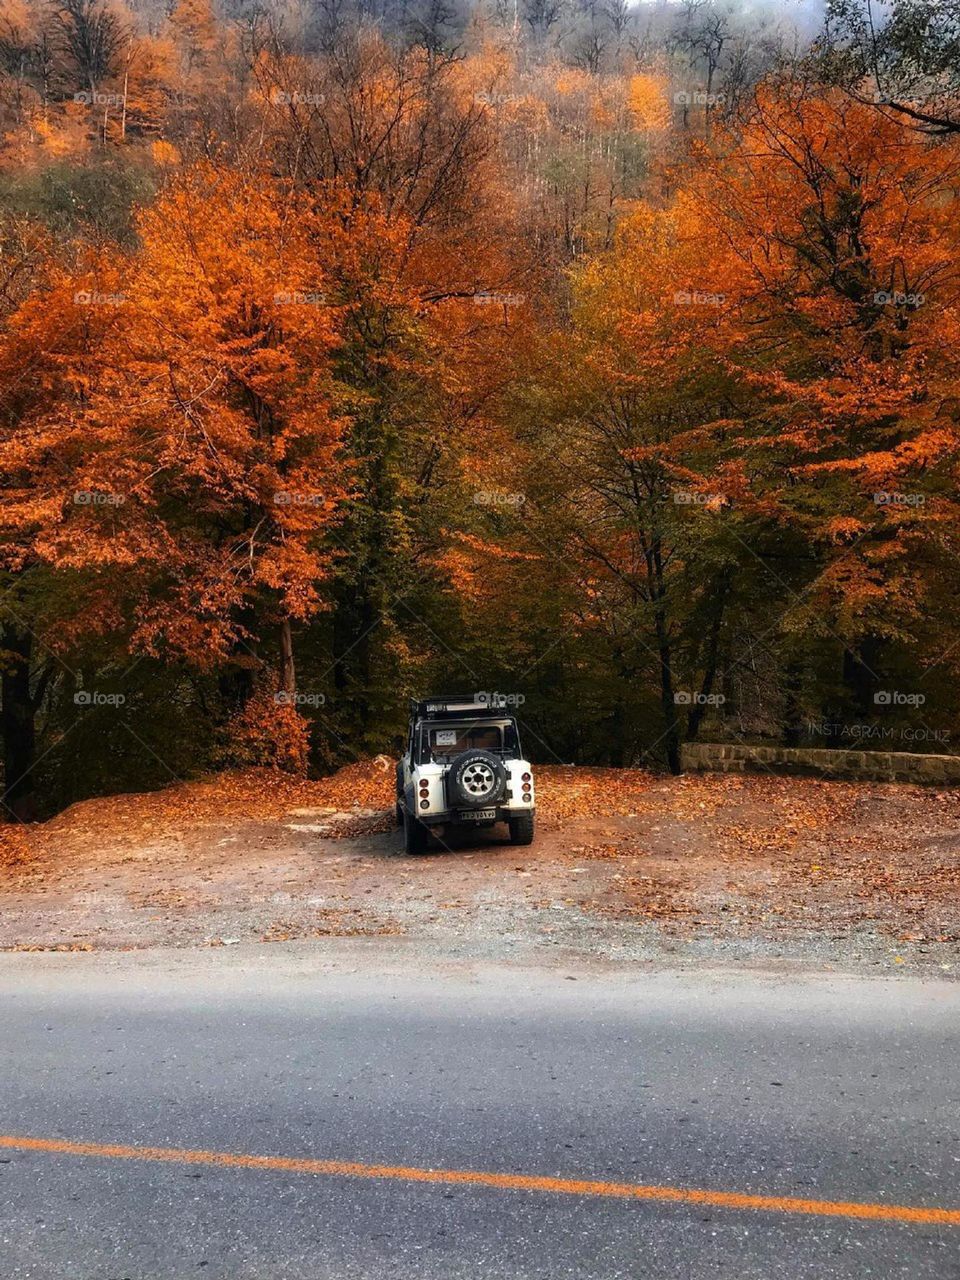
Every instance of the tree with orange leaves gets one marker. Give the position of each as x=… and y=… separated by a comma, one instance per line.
x=757, y=404
x=830, y=231
x=630, y=495
x=48, y=360
x=208, y=425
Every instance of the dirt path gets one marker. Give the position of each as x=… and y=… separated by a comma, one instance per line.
x=626, y=865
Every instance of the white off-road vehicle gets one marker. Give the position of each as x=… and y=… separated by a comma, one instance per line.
x=463, y=766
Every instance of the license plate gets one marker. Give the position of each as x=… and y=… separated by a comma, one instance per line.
x=480, y=815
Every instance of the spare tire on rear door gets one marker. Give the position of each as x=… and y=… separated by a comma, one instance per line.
x=476, y=780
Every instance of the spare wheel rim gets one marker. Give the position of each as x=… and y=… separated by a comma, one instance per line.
x=478, y=779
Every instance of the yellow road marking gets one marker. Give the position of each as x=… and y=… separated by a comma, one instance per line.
x=500, y=1181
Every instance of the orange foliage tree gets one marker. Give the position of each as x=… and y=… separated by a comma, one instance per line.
x=830, y=231
x=758, y=402
x=206, y=428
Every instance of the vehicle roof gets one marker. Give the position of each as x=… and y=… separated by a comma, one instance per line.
x=457, y=706
x=494, y=718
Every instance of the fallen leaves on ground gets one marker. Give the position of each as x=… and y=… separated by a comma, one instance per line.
x=566, y=792
x=16, y=846
x=732, y=854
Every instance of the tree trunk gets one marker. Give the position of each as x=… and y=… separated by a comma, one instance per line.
x=792, y=722
x=17, y=726
x=698, y=710
x=658, y=590
x=859, y=675
x=617, y=754
x=667, y=697
x=237, y=680
x=288, y=673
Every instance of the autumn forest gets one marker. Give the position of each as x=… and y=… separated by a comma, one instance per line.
x=604, y=356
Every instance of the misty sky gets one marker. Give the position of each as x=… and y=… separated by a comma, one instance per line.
x=806, y=14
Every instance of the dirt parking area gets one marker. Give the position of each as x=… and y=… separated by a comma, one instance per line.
x=626, y=865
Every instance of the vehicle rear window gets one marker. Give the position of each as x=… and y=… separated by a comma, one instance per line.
x=451, y=739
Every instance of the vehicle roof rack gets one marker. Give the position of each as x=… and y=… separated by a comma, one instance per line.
x=454, y=705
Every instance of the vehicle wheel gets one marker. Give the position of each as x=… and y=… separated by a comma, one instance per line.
x=476, y=779
x=521, y=829
x=399, y=793
x=415, y=835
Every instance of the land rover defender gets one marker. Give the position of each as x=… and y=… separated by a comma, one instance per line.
x=463, y=766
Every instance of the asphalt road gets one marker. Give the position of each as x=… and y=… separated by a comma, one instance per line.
x=838, y=1090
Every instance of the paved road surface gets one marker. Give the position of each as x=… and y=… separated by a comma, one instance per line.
x=831, y=1089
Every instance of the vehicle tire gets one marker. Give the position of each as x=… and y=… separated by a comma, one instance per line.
x=521, y=829
x=399, y=791
x=415, y=835
x=476, y=779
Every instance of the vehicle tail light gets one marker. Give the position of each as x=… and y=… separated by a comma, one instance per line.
x=424, y=804
x=525, y=777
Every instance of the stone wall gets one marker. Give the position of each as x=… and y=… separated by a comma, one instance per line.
x=878, y=766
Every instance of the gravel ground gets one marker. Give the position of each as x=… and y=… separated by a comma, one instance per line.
x=742, y=870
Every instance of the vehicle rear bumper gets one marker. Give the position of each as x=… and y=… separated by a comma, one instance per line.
x=461, y=818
